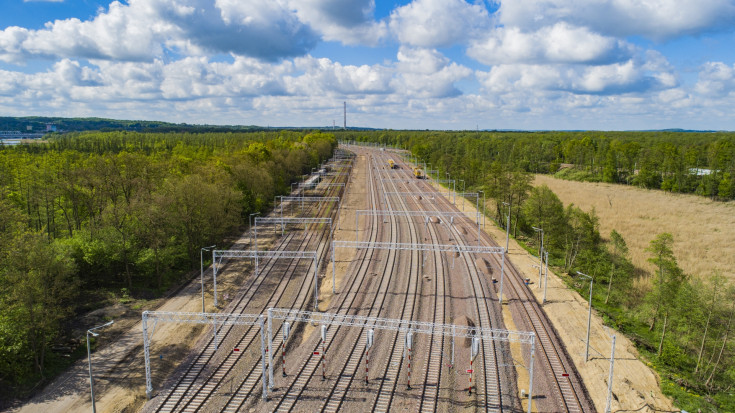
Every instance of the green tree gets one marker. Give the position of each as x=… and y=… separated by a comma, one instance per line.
x=715, y=284
x=581, y=234
x=543, y=209
x=667, y=283
x=618, y=256
x=201, y=210
x=38, y=291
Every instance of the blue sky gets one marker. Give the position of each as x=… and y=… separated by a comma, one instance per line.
x=437, y=64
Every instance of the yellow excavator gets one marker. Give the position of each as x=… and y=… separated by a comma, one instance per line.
x=391, y=164
x=418, y=173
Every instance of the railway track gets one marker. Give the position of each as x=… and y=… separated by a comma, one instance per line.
x=308, y=372
x=491, y=357
x=199, y=380
x=558, y=372
x=398, y=291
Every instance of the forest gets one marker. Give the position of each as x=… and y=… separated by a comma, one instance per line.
x=682, y=162
x=683, y=324
x=92, y=213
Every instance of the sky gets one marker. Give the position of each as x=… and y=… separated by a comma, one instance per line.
x=402, y=64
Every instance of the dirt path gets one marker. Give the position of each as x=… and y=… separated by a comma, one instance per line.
x=355, y=199
x=635, y=385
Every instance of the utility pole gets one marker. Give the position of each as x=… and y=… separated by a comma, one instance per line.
x=608, y=407
x=89, y=359
x=589, y=317
x=507, y=227
x=546, y=275
x=540, y=254
x=201, y=269
x=345, y=114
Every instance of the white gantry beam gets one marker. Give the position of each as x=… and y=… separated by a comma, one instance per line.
x=425, y=194
x=325, y=320
x=292, y=220
x=288, y=220
x=469, y=195
x=446, y=216
x=310, y=198
x=375, y=212
x=315, y=184
x=419, y=247
x=303, y=199
x=449, y=182
x=217, y=256
x=418, y=327
x=215, y=319
x=476, y=249
x=261, y=254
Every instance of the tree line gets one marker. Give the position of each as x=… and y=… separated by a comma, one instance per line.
x=90, y=213
x=683, y=324
x=683, y=162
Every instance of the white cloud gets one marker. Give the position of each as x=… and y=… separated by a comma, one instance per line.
x=427, y=73
x=611, y=79
x=347, y=21
x=716, y=79
x=123, y=32
x=560, y=43
x=326, y=77
x=438, y=23
x=658, y=19
x=266, y=29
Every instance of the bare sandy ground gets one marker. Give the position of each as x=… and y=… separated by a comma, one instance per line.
x=355, y=199
x=635, y=385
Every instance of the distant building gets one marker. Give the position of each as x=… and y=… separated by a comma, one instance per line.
x=700, y=171
x=50, y=127
x=29, y=128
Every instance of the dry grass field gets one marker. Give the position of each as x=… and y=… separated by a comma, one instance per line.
x=703, y=230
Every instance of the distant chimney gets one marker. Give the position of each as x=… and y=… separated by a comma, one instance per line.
x=345, y=111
